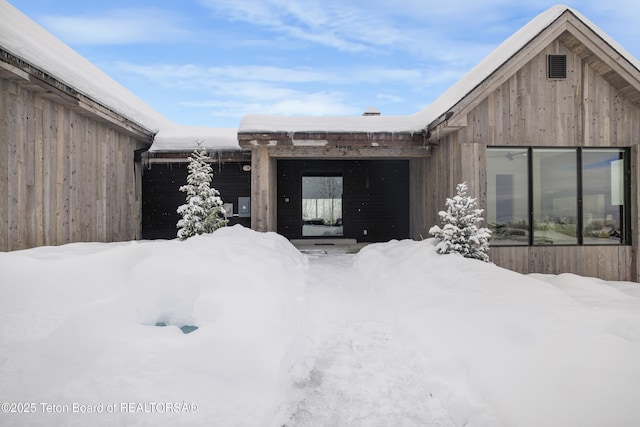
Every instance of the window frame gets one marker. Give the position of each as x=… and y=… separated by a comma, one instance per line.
x=317, y=174
x=625, y=226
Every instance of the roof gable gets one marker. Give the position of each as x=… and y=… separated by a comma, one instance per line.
x=581, y=36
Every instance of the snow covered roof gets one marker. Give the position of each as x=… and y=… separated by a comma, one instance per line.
x=25, y=39
x=265, y=123
x=420, y=120
x=178, y=138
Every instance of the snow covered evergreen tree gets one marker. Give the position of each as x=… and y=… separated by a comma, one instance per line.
x=460, y=232
x=203, y=211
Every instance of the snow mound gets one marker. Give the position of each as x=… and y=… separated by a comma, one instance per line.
x=394, y=335
x=555, y=354
x=80, y=328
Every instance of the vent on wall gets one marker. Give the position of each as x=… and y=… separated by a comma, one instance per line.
x=557, y=66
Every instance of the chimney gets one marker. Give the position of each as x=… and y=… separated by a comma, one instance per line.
x=371, y=111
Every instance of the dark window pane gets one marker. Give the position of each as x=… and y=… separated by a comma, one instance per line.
x=555, y=202
x=507, y=196
x=603, y=202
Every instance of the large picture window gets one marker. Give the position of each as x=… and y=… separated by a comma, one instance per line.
x=558, y=196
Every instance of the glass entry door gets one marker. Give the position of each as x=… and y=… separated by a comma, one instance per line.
x=322, y=206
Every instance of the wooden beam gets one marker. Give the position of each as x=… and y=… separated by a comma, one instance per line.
x=183, y=156
x=348, y=152
x=332, y=139
x=263, y=191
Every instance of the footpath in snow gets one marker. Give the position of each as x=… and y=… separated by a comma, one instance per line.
x=351, y=367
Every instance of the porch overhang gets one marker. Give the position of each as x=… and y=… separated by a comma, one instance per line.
x=338, y=144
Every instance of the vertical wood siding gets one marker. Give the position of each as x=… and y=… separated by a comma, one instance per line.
x=530, y=110
x=64, y=177
x=605, y=262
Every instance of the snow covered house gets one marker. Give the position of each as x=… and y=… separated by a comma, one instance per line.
x=545, y=132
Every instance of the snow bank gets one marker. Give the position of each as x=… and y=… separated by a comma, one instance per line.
x=507, y=349
x=400, y=331
x=77, y=325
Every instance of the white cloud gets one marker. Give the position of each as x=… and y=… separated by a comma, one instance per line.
x=385, y=97
x=233, y=91
x=305, y=56
x=334, y=24
x=194, y=76
x=296, y=104
x=252, y=89
x=122, y=26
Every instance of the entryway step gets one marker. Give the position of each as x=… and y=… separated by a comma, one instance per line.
x=328, y=246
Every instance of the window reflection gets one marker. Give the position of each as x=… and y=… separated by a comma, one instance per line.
x=555, y=201
x=560, y=196
x=603, y=200
x=322, y=206
x=507, y=196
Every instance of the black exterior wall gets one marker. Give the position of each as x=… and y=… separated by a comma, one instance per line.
x=375, y=197
x=161, y=195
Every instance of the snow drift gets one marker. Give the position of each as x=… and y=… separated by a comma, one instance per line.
x=411, y=336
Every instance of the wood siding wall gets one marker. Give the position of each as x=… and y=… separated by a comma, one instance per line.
x=528, y=109
x=64, y=177
x=434, y=179
x=605, y=262
x=531, y=110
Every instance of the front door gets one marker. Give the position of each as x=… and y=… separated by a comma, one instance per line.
x=366, y=200
x=322, y=206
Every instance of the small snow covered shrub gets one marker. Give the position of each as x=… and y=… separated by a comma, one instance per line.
x=203, y=211
x=460, y=232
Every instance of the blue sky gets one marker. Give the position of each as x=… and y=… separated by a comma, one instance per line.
x=209, y=62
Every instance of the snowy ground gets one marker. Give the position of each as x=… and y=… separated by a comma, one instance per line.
x=396, y=335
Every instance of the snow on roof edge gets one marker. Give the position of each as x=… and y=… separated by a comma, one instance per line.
x=178, y=138
x=393, y=124
x=607, y=39
x=25, y=39
x=498, y=57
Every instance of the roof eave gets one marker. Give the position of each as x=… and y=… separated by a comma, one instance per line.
x=37, y=80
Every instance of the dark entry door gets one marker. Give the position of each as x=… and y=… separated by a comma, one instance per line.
x=373, y=207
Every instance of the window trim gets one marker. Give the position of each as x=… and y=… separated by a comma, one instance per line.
x=625, y=226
